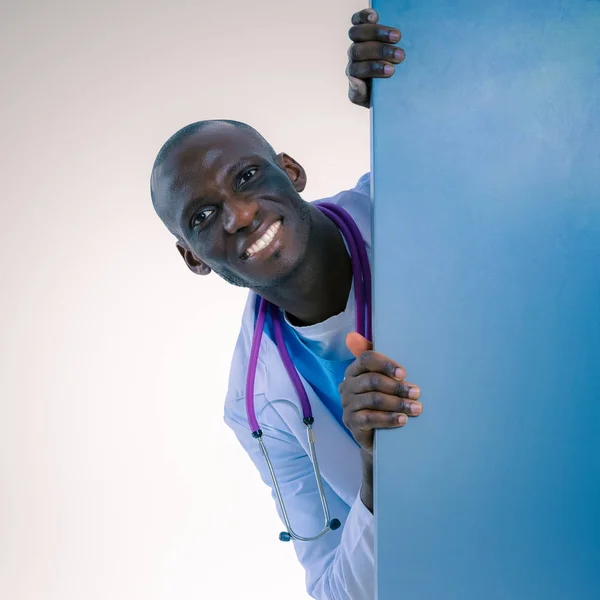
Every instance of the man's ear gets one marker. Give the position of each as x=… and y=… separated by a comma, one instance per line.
x=194, y=264
x=295, y=171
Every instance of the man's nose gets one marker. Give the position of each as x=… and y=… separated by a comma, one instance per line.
x=238, y=214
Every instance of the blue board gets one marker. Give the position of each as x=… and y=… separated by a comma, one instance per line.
x=486, y=180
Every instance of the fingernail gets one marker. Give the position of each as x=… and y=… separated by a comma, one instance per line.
x=414, y=393
x=399, y=373
x=388, y=69
x=398, y=54
x=402, y=419
x=416, y=408
x=394, y=36
x=372, y=17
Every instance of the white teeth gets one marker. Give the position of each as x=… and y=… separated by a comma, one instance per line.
x=265, y=240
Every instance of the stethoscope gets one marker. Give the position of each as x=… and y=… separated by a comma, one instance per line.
x=361, y=272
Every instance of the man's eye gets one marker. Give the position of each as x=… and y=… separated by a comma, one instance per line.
x=201, y=217
x=248, y=175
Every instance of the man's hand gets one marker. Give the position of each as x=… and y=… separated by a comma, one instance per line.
x=374, y=393
x=372, y=54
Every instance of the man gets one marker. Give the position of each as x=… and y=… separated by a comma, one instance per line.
x=234, y=206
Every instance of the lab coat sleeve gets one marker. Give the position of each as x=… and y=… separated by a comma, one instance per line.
x=341, y=564
x=363, y=185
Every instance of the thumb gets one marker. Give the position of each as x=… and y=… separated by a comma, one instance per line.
x=358, y=91
x=357, y=344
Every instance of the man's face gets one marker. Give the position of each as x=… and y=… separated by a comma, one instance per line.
x=235, y=210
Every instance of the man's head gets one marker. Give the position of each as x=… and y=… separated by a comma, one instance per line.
x=233, y=204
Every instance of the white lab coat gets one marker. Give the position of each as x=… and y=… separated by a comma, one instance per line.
x=340, y=565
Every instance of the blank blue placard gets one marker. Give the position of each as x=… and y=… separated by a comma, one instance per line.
x=486, y=181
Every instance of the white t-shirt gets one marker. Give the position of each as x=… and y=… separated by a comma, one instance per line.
x=328, y=338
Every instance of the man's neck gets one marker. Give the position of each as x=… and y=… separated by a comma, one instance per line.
x=320, y=288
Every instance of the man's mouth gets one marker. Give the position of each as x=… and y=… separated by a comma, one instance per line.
x=264, y=241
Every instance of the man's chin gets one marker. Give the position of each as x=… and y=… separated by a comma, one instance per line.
x=263, y=284
x=232, y=278
x=276, y=282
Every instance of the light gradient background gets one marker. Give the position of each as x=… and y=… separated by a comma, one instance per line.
x=118, y=477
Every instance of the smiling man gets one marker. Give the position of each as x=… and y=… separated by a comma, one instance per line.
x=235, y=208
x=262, y=244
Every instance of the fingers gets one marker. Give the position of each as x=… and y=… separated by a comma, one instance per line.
x=368, y=15
x=371, y=58
x=367, y=420
x=376, y=410
x=377, y=362
x=370, y=69
x=369, y=32
x=375, y=51
x=385, y=403
x=377, y=382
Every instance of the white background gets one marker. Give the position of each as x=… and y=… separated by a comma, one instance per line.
x=118, y=477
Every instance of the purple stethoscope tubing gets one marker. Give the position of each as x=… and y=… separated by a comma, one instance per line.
x=361, y=272
x=353, y=237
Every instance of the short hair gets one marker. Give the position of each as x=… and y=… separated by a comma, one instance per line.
x=192, y=128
